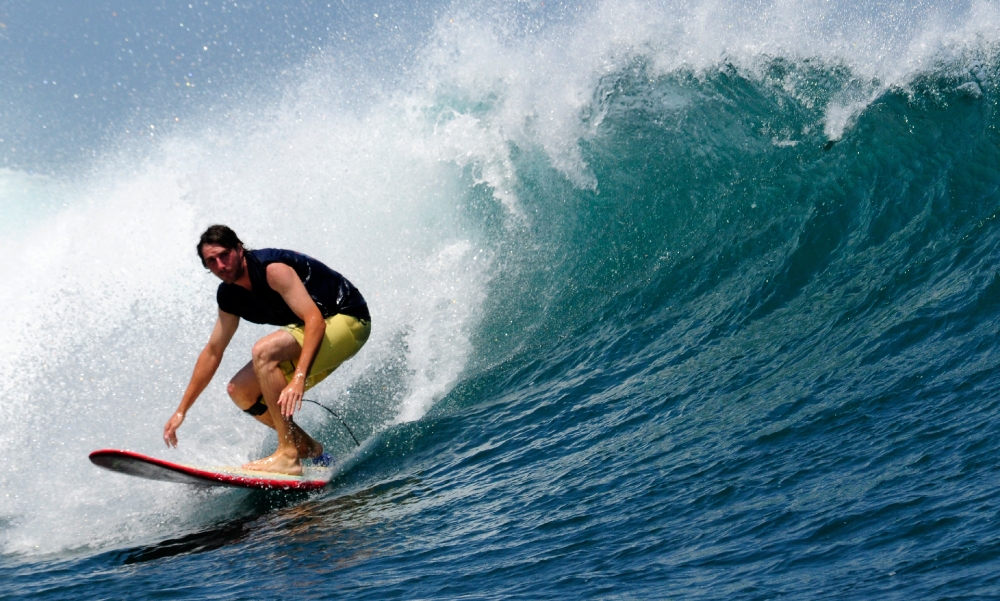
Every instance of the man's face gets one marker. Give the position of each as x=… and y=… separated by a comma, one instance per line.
x=225, y=263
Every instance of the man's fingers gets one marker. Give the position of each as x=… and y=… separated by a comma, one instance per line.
x=289, y=403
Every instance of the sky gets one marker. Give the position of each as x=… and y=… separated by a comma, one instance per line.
x=74, y=74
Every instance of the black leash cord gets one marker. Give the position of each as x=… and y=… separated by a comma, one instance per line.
x=338, y=417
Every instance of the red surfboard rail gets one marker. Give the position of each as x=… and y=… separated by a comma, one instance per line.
x=151, y=468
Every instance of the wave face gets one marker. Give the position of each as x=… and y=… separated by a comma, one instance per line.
x=672, y=301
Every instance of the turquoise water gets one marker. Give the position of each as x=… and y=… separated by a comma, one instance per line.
x=669, y=302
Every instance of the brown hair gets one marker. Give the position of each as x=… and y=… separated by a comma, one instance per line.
x=220, y=235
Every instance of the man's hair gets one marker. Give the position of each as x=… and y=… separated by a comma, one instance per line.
x=219, y=235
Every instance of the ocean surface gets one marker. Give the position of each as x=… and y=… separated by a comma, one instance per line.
x=689, y=300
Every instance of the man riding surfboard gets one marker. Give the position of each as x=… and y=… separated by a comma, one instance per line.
x=324, y=320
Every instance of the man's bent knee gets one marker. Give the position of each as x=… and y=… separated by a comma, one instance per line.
x=244, y=396
x=245, y=399
x=261, y=352
x=274, y=349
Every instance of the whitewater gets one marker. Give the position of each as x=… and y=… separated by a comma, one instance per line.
x=670, y=300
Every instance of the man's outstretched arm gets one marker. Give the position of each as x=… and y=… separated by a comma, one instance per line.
x=204, y=369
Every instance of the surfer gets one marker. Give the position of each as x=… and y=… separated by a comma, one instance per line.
x=324, y=320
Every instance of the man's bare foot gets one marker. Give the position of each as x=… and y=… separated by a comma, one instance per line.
x=306, y=446
x=309, y=451
x=279, y=463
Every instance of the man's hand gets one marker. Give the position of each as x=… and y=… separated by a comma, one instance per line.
x=290, y=400
x=170, y=430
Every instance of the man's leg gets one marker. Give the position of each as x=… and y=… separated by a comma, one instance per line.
x=263, y=376
x=244, y=389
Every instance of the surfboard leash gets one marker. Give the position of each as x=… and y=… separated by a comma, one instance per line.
x=346, y=427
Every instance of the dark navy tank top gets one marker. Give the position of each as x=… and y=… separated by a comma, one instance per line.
x=331, y=291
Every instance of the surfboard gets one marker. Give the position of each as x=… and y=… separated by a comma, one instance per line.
x=316, y=472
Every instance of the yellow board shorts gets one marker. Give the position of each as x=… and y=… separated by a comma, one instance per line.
x=345, y=335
